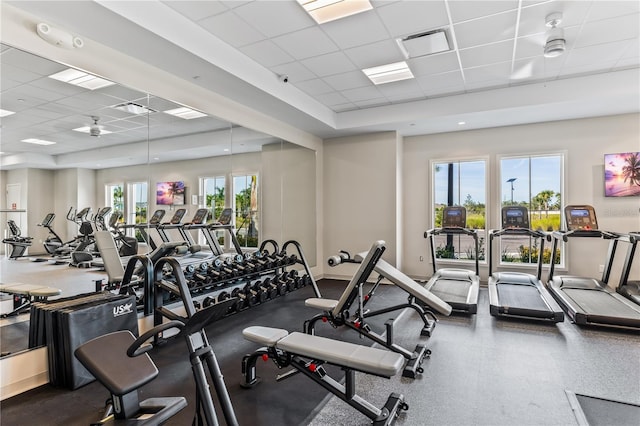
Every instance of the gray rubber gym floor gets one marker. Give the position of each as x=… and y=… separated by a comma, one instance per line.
x=483, y=371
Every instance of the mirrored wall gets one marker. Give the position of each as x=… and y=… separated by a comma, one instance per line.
x=102, y=143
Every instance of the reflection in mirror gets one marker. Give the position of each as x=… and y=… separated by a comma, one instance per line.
x=113, y=147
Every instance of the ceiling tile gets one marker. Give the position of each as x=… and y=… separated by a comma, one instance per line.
x=370, y=103
x=266, y=53
x=371, y=55
x=410, y=17
x=348, y=80
x=295, y=70
x=441, y=83
x=196, y=10
x=529, y=46
x=610, y=9
x=314, y=87
x=329, y=64
x=359, y=29
x=609, y=30
x=333, y=98
x=433, y=64
x=471, y=9
x=485, y=30
x=231, y=29
x=488, y=73
x=405, y=87
x=306, y=43
x=605, y=52
x=486, y=54
x=274, y=18
x=362, y=94
x=344, y=107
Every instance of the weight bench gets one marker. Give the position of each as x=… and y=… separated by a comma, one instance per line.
x=336, y=312
x=106, y=358
x=307, y=354
x=25, y=294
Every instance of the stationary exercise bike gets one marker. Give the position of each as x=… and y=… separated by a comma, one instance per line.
x=123, y=375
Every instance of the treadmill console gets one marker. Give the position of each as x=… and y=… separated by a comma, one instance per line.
x=157, y=217
x=454, y=217
x=582, y=218
x=515, y=217
x=200, y=216
x=225, y=216
x=178, y=216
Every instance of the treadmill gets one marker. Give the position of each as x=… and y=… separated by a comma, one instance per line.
x=630, y=289
x=517, y=294
x=588, y=301
x=458, y=287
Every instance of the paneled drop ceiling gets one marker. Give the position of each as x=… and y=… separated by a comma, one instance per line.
x=494, y=74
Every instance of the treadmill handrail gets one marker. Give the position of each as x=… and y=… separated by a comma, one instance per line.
x=451, y=231
x=431, y=233
x=520, y=231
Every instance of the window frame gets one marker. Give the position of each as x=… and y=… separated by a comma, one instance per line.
x=487, y=213
x=563, y=191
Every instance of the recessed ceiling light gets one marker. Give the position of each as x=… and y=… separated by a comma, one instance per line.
x=156, y=158
x=5, y=112
x=38, y=141
x=329, y=10
x=134, y=108
x=82, y=79
x=186, y=113
x=87, y=129
x=388, y=73
x=461, y=123
x=226, y=150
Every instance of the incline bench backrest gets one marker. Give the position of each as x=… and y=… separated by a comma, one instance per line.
x=109, y=253
x=364, y=270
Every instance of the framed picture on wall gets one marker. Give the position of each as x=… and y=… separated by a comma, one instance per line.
x=622, y=174
x=170, y=193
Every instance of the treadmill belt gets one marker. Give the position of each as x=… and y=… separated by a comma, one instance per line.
x=600, y=303
x=455, y=291
x=521, y=296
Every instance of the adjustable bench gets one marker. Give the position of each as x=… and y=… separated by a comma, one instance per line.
x=336, y=312
x=25, y=294
x=307, y=354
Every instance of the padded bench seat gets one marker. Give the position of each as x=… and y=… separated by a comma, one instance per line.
x=34, y=290
x=362, y=358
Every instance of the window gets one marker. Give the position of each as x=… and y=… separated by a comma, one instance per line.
x=115, y=197
x=245, y=190
x=534, y=182
x=214, y=196
x=137, y=205
x=460, y=183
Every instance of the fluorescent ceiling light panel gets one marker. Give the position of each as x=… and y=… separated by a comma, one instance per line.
x=134, y=108
x=5, y=112
x=424, y=44
x=38, y=141
x=87, y=129
x=329, y=10
x=388, y=73
x=186, y=113
x=82, y=79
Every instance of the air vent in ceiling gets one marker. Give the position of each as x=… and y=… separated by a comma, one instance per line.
x=134, y=108
x=423, y=44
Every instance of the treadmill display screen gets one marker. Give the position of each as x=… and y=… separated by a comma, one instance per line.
x=454, y=217
x=177, y=216
x=515, y=217
x=157, y=217
x=581, y=218
x=200, y=216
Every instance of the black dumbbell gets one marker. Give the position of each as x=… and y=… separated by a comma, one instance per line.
x=208, y=301
x=242, y=302
x=252, y=296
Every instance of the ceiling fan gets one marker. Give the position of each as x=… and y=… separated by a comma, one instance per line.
x=95, y=130
x=552, y=42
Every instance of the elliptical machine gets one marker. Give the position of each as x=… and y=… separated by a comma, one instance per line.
x=53, y=241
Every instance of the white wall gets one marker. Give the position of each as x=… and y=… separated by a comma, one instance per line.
x=359, y=191
x=41, y=197
x=585, y=143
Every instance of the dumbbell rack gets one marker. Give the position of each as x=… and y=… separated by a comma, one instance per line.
x=249, y=278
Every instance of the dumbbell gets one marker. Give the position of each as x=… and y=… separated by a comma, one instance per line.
x=242, y=303
x=252, y=296
x=268, y=291
x=208, y=301
x=280, y=287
